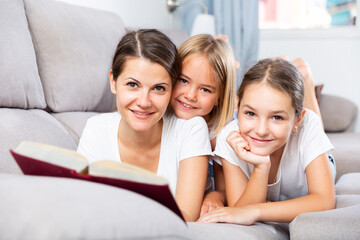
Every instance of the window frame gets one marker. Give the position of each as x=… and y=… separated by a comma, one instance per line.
x=333, y=32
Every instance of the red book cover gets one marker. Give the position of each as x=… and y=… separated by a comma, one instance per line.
x=159, y=193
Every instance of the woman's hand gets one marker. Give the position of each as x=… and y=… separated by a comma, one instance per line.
x=243, y=150
x=244, y=215
x=212, y=200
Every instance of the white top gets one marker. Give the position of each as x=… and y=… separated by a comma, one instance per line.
x=303, y=146
x=181, y=139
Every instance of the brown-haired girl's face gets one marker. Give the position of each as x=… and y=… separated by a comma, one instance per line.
x=196, y=92
x=266, y=118
x=143, y=91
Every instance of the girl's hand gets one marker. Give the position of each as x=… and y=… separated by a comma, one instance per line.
x=244, y=215
x=211, y=201
x=243, y=151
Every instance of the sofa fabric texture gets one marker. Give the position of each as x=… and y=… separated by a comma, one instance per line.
x=33, y=125
x=69, y=41
x=340, y=223
x=338, y=113
x=19, y=79
x=76, y=209
x=55, y=60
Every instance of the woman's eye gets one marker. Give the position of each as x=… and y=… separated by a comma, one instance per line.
x=250, y=114
x=132, y=84
x=277, y=118
x=159, y=88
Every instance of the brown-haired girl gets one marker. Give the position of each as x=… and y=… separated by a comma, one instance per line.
x=274, y=155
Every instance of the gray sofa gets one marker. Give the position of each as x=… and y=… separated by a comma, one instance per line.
x=54, y=63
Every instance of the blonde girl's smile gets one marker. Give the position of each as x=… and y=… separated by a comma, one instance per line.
x=185, y=105
x=195, y=93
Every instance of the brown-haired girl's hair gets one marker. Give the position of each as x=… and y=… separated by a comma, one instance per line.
x=149, y=44
x=221, y=59
x=279, y=74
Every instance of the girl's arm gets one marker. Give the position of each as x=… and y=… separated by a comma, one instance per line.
x=219, y=180
x=217, y=198
x=191, y=186
x=240, y=190
x=321, y=197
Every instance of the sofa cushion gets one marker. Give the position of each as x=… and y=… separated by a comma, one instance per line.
x=74, y=122
x=60, y=208
x=74, y=47
x=17, y=125
x=19, y=79
x=348, y=184
x=340, y=223
x=346, y=152
x=209, y=231
x=338, y=114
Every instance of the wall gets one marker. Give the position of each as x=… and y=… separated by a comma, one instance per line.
x=333, y=54
x=134, y=13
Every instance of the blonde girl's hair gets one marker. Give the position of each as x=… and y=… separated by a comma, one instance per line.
x=220, y=57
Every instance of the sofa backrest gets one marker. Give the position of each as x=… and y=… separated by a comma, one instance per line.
x=338, y=114
x=54, y=58
x=74, y=48
x=20, y=83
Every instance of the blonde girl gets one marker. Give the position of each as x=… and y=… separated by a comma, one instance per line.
x=207, y=88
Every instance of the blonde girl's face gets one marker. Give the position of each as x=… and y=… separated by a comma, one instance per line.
x=143, y=91
x=196, y=92
x=266, y=118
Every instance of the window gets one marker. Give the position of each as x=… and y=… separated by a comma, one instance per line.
x=305, y=14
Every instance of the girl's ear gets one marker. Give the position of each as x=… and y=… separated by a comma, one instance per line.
x=112, y=82
x=298, y=120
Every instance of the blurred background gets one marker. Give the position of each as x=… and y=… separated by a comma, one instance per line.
x=326, y=33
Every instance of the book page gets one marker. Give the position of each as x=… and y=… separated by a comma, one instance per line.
x=113, y=169
x=56, y=155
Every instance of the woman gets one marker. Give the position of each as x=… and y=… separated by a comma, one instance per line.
x=144, y=70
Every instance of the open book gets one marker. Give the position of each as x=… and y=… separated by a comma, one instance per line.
x=46, y=160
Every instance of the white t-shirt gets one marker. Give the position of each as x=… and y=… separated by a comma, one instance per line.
x=181, y=139
x=303, y=146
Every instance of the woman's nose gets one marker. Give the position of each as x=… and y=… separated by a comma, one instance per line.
x=144, y=100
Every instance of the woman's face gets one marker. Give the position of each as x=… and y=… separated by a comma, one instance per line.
x=266, y=118
x=143, y=91
x=196, y=92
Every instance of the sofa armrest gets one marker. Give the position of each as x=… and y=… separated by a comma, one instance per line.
x=35, y=207
x=340, y=223
x=338, y=113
